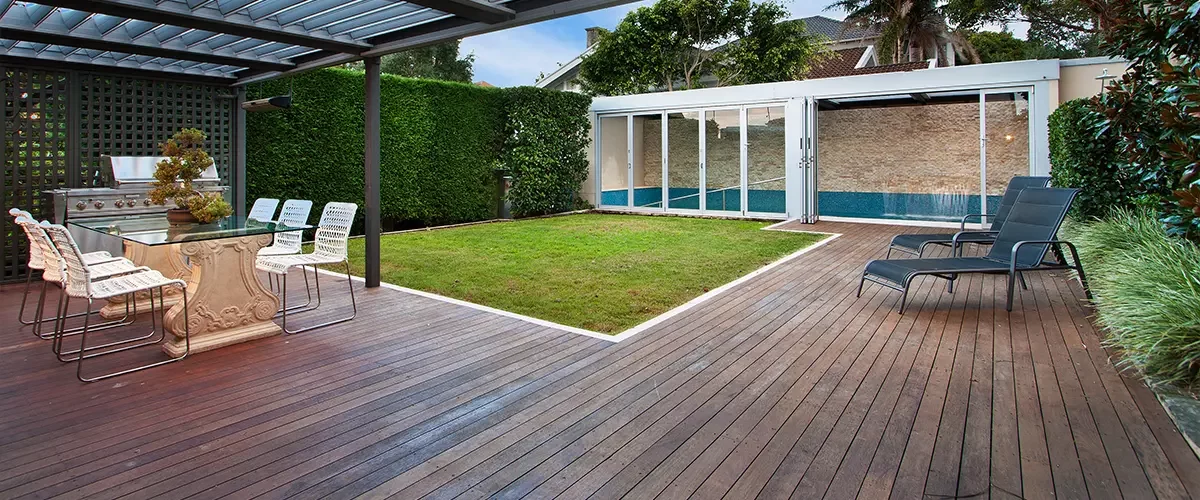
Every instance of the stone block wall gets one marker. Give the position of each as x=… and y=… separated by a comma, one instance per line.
x=931, y=149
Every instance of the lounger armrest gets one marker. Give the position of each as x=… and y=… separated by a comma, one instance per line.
x=1012, y=259
x=954, y=241
x=963, y=225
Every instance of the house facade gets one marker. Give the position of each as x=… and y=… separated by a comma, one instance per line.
x=853, y=54
x=921, y=147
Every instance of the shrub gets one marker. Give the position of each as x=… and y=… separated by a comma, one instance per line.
x=1147, y=290
x=1155, y=106
x=1083, y=155
x=546, y=137
x=440, y=142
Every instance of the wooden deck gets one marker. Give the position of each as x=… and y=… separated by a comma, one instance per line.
x=784, y=386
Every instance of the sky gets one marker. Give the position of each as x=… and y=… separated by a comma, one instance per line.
x=517, y=56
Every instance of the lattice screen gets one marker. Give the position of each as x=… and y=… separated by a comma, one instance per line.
x=35, y=152
x=115, y=115
x=130, y=117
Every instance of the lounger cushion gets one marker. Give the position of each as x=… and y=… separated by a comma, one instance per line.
x=899, y=271
x=914, y=241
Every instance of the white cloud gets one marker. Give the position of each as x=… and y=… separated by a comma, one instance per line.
x=516, y=56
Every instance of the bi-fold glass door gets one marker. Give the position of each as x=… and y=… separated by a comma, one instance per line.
x=728, y=161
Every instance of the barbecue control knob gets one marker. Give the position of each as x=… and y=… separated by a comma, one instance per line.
x=80, y=206
x=146, y=202
x=98, y=204
x=119, y=203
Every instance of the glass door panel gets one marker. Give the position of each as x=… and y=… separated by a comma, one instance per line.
x=683, y=161
x=614, y=161
x=914, y=162
x=766, y=168
x=1006, y=142
x=647, y=161
x=723, y=160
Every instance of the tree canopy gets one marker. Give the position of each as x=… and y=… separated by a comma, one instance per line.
x=435, y=62
x=912, y=30
x=1067, y=27
x=1003, y=46
x=676, y=44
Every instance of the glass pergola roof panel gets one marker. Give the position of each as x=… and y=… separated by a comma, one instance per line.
x=239, y=41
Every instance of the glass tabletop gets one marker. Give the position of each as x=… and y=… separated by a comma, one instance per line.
x=157, y=230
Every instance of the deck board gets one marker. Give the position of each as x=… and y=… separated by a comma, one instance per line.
x=784, y=386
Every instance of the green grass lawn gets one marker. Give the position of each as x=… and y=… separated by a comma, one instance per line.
x=605, y=273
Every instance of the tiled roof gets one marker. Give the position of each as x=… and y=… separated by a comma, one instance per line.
x=837, y=30
x=843, y=62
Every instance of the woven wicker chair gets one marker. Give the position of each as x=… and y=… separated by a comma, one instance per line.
x=332, y=234
x=80, y=284
x=53, y=272
x=36, y=263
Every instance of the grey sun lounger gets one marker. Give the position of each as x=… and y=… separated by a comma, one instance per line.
x=1019, y=247
x=914, y=244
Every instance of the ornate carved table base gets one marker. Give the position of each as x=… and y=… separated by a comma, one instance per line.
x=227, y=304
x=165, y=259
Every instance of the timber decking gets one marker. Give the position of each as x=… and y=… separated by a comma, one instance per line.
x=786, y=385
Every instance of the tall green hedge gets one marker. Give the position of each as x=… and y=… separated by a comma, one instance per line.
x=545, y=149
x=1084, y=155
x=440, y=144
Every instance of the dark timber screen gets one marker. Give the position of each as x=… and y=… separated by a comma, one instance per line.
x=56, y=124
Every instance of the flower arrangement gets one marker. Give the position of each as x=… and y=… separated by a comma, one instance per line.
x=185, y=161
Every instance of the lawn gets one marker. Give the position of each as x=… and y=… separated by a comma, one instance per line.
x=605, y=273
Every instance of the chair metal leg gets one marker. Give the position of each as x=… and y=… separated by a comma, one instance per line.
x=353, y=305
x=127, y=319
x=860, y=285
x=24, y=297
x=1012, y=284
x=904, y=297
x=1021, y=278
x=187, y=340
x=308, y=306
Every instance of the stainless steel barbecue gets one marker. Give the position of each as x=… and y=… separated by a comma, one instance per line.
x=127, y=181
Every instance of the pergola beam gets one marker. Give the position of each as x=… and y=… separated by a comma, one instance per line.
x=140, y=47
x=209, y=19
x=174, y=73
x=470, y=9
x=454, y=28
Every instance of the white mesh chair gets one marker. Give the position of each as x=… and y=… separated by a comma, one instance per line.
x=36, y=262
x=294, y=213
x=333, y=231
x=263, y=209
x=79, y=283
x=54, y=272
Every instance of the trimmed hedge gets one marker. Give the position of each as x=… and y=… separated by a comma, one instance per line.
x=440, y=144
x=545, y=149
x=1083, y=154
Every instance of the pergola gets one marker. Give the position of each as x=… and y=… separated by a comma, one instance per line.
x=237, y=42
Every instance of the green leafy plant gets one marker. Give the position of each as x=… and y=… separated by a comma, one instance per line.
x=185, y=160
x=1154, y=108
x=208, y=207
x=1084, y=156
x=546, y=138
x=441, y=144
x=1147, y=287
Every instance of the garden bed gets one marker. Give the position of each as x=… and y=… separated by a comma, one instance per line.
x=600, y=272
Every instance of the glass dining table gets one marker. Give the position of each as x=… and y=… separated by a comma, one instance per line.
x=227, y=303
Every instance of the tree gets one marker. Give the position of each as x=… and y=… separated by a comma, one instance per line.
x=436, y=62
x=1060, y=26
x=1003, y=46
x=669, y=46
x=911, y=30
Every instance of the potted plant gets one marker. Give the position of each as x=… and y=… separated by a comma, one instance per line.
x=185, y=161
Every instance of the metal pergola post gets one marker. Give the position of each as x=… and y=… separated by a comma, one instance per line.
x=239, y=153
x=371, y=174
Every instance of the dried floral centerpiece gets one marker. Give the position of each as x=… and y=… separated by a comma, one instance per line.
x=185, y=162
